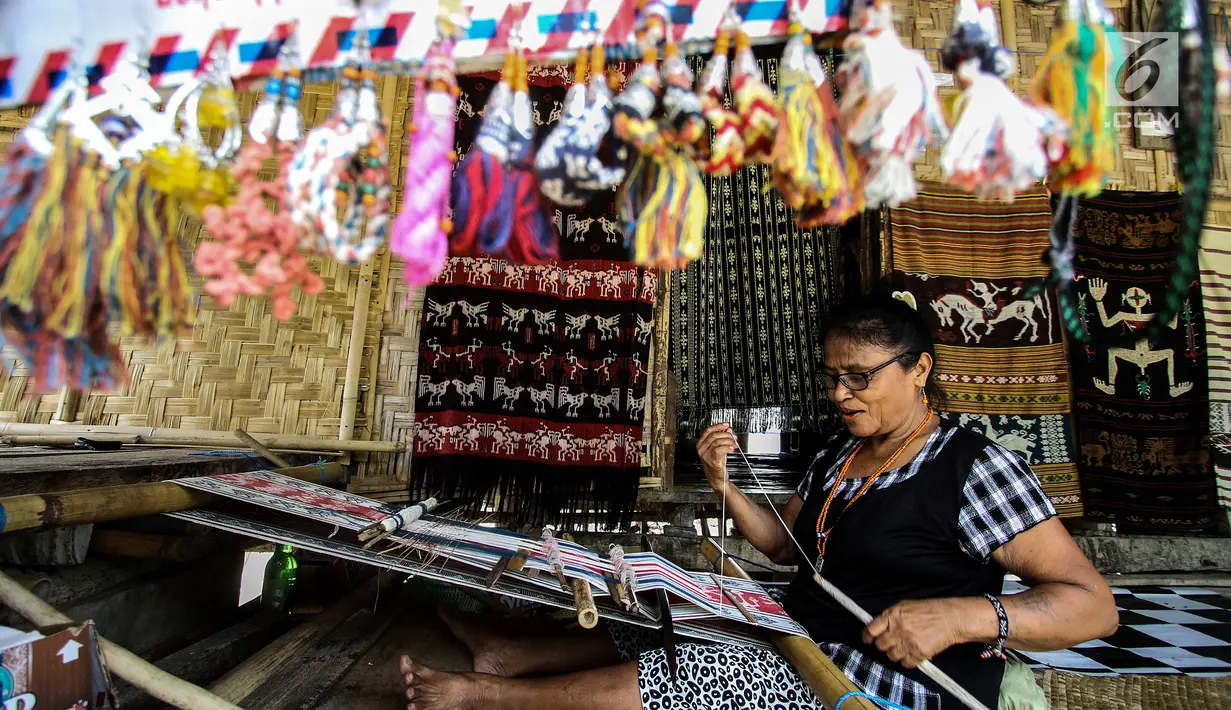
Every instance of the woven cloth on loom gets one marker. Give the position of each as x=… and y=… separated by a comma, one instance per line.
x=1216, y=298
x=1142, y=412
x=746, y=317
x=1001, y=355
x=532, y=382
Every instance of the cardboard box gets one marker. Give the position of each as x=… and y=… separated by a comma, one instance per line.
x=55, y=668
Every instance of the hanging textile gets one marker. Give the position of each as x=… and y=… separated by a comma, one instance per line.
x=1215, y=264
x=532, y=379
x=1142, y=412
x=746, y=317
x=1001, y=356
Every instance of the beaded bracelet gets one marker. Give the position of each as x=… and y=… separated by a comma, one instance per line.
x=1002, y=635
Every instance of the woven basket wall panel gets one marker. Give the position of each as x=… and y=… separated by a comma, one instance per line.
x=241, y=367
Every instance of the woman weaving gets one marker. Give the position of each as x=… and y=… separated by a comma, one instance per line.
x=916, y=519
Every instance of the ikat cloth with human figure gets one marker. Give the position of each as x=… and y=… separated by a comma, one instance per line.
x=532, y=379
x=1215, y=262
x=970, y=268
x=1142, y=414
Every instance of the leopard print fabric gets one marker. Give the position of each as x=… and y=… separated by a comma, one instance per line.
x=711, y=676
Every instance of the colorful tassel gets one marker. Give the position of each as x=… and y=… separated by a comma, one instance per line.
x=1000, y=145
x=889, y=109
x=479, y=185
x=1071, y=80
x=420, y=233
x=755, y=103
x=847, y=200
x=533, y=238
x=726, y=155
x=806, y=170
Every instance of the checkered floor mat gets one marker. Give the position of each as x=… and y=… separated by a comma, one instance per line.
x=1163, y=630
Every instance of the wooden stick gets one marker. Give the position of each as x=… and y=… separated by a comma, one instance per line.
x=354, y=356
x=242, y=680
x=123, y=663
x=822, y=676
x=735, y=601
x=1008, y=37
x=99, y=505
x=261, y=449
x=66, y=406
x=187, y=437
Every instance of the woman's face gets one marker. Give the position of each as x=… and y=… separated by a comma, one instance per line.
x=890, y=402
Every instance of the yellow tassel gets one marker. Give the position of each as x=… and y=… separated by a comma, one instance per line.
x=123, y=272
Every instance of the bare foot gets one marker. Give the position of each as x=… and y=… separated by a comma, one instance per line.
x=429, y=689
x=493, y=652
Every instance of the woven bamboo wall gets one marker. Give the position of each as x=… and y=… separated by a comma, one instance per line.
x=242, y=367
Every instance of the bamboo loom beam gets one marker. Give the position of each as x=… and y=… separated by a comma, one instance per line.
x=125, y=664
x=261, y=449
x=99, y=505
x=583, y=598
x=182, y=437
x=822, y=676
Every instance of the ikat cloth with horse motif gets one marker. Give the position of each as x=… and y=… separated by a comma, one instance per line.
x=1142, y=414
x=968, y=266
x=532, y=380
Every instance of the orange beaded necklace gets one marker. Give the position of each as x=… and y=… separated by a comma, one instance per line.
x=822, y=533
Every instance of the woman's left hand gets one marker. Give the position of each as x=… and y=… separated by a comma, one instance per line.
x=914, y=631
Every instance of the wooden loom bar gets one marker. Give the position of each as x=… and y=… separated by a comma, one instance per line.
x=99, y=505
x=182, y=437
x=125, y=664
x=821, y=675
x=583, y=598
x=354, y=356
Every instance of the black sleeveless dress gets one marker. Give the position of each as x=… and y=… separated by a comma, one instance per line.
x=924, y=531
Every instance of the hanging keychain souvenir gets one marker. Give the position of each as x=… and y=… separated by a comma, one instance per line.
x=482, y=199
x=726, y=153
x=889, y=108
x=420, y=234
x=755, y=102
x=806, y=170
x=345, y=161
x=1000, y=145
x=1071, y=80
x=663, y=202
x=633, y=121
x=568, y=162
x=533, y=238
x=247, y=248
x=847, y=200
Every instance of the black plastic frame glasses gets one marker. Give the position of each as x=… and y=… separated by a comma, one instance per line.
x=856, y=381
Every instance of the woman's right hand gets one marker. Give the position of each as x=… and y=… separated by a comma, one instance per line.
x=715, y=444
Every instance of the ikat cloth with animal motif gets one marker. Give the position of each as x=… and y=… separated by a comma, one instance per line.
x=1215, y=260
x=968, y=267
x=747, y=317
x=1142, y=414
x=532, y=380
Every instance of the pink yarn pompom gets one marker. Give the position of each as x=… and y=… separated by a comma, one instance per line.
x=420, y=234
x=249, y=250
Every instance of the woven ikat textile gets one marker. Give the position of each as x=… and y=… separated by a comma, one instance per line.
x=532, y=384
x=1142, y=414
x=746, y=318
x=967, y=266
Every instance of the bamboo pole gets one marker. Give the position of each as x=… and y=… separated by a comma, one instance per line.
x=123, y=663
x=822, y=676
x=1008, y=37
x=66, y=406
x=583, y=599
x=261, y=449
x=354, y=356
x=105, y=503
x=186, y=437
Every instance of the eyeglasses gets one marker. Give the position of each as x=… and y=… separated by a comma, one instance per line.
x=856, y=381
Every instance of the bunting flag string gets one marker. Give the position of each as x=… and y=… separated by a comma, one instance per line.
x=180, y=35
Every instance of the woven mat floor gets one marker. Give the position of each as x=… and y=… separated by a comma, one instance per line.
x=1071, y=691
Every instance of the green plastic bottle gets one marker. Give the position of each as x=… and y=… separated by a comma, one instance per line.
x=280, y=573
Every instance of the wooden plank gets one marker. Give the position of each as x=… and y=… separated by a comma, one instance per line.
x=317, y=669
